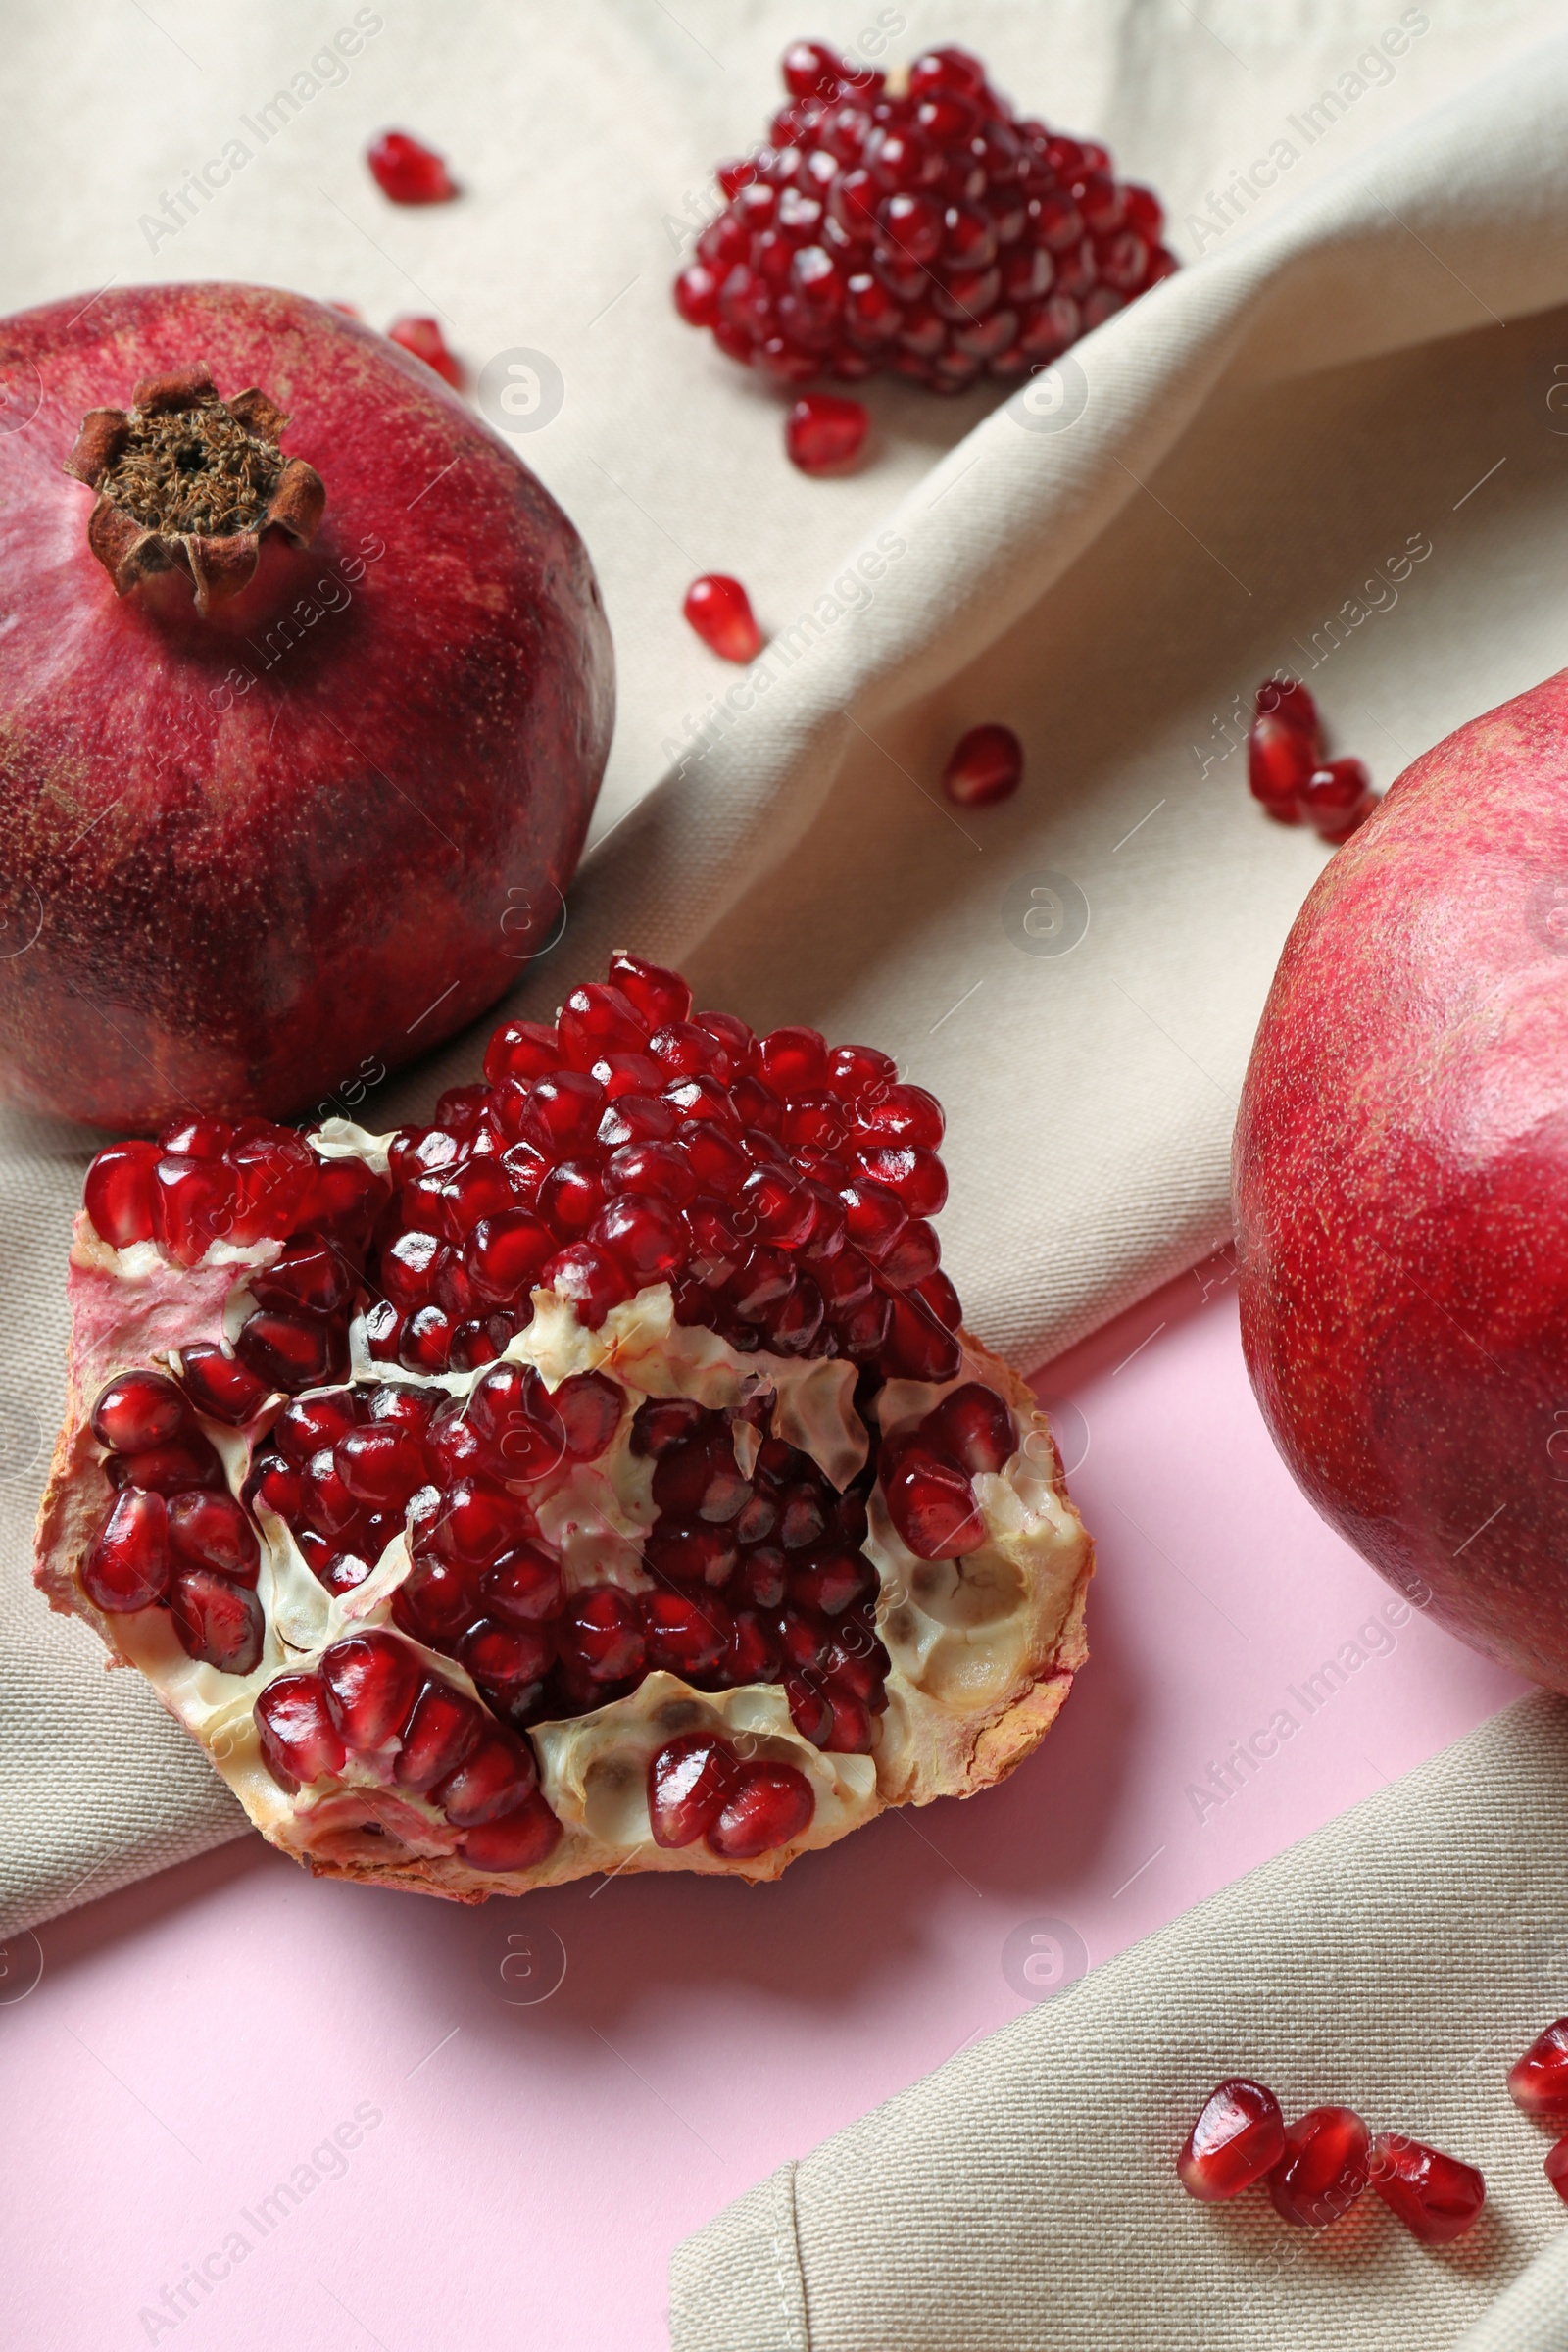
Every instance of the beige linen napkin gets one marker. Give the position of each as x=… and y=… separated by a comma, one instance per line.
x=1022, y=2198
x=1323, y=445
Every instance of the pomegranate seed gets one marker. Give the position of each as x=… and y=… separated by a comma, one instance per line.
x=211, y=1530
x=662, y=1423
x=119, y=1193
x=524, y=1050
x=1324, y=2168
x=406, y=170
x=310, y=1423
x=983, y=766
x=1278, y=764
x=1338, y=798
x=219, y=1623
x=588, y=1407
x=437, y=1600
x=126, y=1566
x=440, y=1731
x=193, y=1206
x=516, y=1840
x=603, y=1634
x=973, y=1427
x=688, y=1783
x=1435, y=2196
x=219, y=1385
x=423, y=337
x=479, y=1521
x=590, y=1279
x=824, y=434
x=932, y=1505
x=523, y=1586
x=188, y=1461
x=381, y=1466
x=1237, y=2138
x=772, y=1805
x=1287, y=701
x=919, y=1345
x=506, y=1253
x=683, y=1635
x=276, y=1485
x=507, y=1659
x=137, y=1410
x=495, y=1777
x=720, y=612
x=371, y=1681
x=1539, y=2080
x=660, y=996
x=1556, y=2168
x=292, y=1351
x=297, y=1739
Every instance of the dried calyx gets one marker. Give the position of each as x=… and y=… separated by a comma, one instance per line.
x=189, y=482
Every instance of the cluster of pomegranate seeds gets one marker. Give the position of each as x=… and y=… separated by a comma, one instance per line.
x=423, y=337
x=1317, y=2166
x=985, y=766
x=698, y=1786
x=370, y=1697
x=927, y=1474
x=720, y=612
x=1538, y=2083
x=1287, y=773
x=174, y=1533
x=824, y=433
x=406, y=170
x=926, y=231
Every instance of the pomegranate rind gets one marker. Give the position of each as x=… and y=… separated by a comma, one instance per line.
x=983, y=1649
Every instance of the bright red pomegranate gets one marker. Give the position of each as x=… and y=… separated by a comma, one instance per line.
x=409, y=171
x=1435, y=2196
x=1237, y=2138
x=914, y=224
x=599, y=1475
x=1324, y=2169
x=1402, y=1186
x=306, y=696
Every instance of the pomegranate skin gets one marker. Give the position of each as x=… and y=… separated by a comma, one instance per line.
x=248, y=859
x=1401, y=1188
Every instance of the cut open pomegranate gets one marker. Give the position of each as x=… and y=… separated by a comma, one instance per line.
x=596, y=1476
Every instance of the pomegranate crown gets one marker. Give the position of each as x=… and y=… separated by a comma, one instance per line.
x=188, y=483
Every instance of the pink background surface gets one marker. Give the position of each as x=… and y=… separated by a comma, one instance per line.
x=195, y=2042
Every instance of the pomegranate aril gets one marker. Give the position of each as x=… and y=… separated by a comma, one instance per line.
x=1338, y=798
x=119, y=1193
x=381, y=1465
x=212, y=1531
x=1435, y=2196
x=139, y=1409
x=1278, y=764
x=974, y=1426
x=342, y=1201
x=292, y=1351
x=689, y=1780
x=219, y=1385
x=1324, y=2167
x=219, y=1623
x=810, y=1710
x=684, y=1635
x=753, y=1656
x=506, y=1253
x=425, y=1343
x=516, y=1840
x=662, y=1423
x=772, y=1805
x=406, y=170
x=437, y=1600
x=1539, y=2080
x=311, y=1275
x=1556, y=2167
x=932, y=1505
x=831, y=1582
x=589, y=1279
x=719, y=610
x=188, y=1461
x=660, y=996
x=479, y=1521
x=984, y=766
x=507, y=1659
x=914, y=1175
x=524, y=1050
x=824, y=433
x=274, y=1484
x=298, y=1739
x=439, y=1733
x=525, y=1587
x=127, y=1565
x=919, y=1345
x=1285, y=699
x=602, y=1634
x=913, y=1256
x=193, y=1206
x=1237, y=2138
x=495, y=1777
x=425, y=339
x=644, y=1235
x=309, y=1423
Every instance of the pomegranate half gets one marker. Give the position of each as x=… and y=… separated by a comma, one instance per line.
x=305, y=699
x=1402, y=1186
x=597, y=1477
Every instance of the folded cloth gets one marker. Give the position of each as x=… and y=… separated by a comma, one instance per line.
x=1322, y=447
x=1024, y=2196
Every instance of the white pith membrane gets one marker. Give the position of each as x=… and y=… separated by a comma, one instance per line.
x=983, y=1647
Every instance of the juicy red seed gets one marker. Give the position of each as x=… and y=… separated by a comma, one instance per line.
x=913, y=1255
x=476, y=1189
x=590, y=1279
x=119, y=1193
x=212, y=1531
x=1556, y=2168
x=311, y=1276
x=441, y=1728
x=1337, y=797
x=193, y=1206
x=137, y=1410
x=932, y=1505
x=984, y=766
x=479, y=1521
x=823, y=434
x=303, y=1427
x=688, y=1783
x=904, y=1114
x=684, y=1635
x=832, y=1582
x=1237, y=2138
x=219, y=1623
x=919, y=1344
x=292, y=1351
x=423, y=337
x=1435, y=2196
x=506, y=1253
x=604, y=1632
x=720, y=612
x=127, y=1565
x=382, y=1465
x=809, y=1709
x=772, y=1805
x=1278, y=698
x=851, y=1730
x=524, y=1586
x=274, y=1483
x=438, y=1599
x=561, y=1112
x=570, y=1197
x=219, y=1385
x=914, y=1175
x=342, y=1200
x=507, y=1658
x=873, y=1218
x=188, y=1461
x=497, y=1774
x=588, y=1407
x=516, y=1840
x=974, y=1426
x=298, y=1740
x=406, y=170
x=792, y=1061
x=1539, y=2080
x=660, y=996
x=1324, y=2167
x=524, y=1050
x=596, y=1020
x=1278, y=764
x=662, y=1423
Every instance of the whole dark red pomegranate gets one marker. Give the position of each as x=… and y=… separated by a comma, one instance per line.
x=1402, y=1186
x=305, y=698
